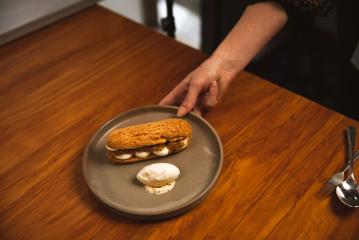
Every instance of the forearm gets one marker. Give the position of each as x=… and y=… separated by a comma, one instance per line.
x=204, y=87
x=258, y=24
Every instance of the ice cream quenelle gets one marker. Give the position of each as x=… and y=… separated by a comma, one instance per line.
x=158, y=178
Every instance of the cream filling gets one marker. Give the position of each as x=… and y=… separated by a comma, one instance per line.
x=110, y=148
x=163, y=152
x=185, y=143
x=142, y=154
x=124, y=156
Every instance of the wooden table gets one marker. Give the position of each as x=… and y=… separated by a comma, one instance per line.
x=61, y=83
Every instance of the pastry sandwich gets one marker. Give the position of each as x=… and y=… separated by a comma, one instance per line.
x=149, y=140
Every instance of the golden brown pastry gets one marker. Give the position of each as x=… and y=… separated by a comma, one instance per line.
x=149, y=140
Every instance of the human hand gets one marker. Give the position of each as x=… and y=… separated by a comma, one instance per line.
x=205, y=86
x=199, y=90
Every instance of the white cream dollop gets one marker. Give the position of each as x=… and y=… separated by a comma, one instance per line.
x=142, y=154
x=163, y=152
x=110, y=148
x=124, y=156
x=185, y=143
x=158, y=174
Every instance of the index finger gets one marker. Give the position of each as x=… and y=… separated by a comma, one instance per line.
x=190, y=99
x=176, y=95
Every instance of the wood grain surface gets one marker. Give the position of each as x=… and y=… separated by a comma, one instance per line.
x=61, y=83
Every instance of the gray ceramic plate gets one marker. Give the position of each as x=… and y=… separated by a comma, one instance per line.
x=116, y=185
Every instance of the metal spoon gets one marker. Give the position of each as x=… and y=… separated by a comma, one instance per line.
x=348, y=191
x=338, y=177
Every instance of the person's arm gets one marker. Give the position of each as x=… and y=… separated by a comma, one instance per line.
x=204, y=87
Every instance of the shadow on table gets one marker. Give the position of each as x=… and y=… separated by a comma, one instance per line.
x=339, y=208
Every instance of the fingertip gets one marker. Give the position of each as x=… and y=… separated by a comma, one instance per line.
x=163, y=103
x=214, y=89
x=189, y=102
x=212, y=97
x=197, y=112
x=181, y=111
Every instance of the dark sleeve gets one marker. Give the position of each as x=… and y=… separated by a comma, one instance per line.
x=317, y=7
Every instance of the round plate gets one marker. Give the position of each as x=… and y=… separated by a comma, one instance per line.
x=117, y=186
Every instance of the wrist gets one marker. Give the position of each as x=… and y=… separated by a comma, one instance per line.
x=227, y=65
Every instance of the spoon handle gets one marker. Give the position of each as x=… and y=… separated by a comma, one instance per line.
x=347, y=165
x=351, y=132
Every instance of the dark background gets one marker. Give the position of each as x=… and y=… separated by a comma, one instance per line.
x=310, y=56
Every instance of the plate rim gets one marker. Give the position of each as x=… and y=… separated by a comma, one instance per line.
x=165, y=214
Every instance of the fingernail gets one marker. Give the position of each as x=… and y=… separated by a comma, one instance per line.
x=198, y=113
x=211, y=102
x=181, y=111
